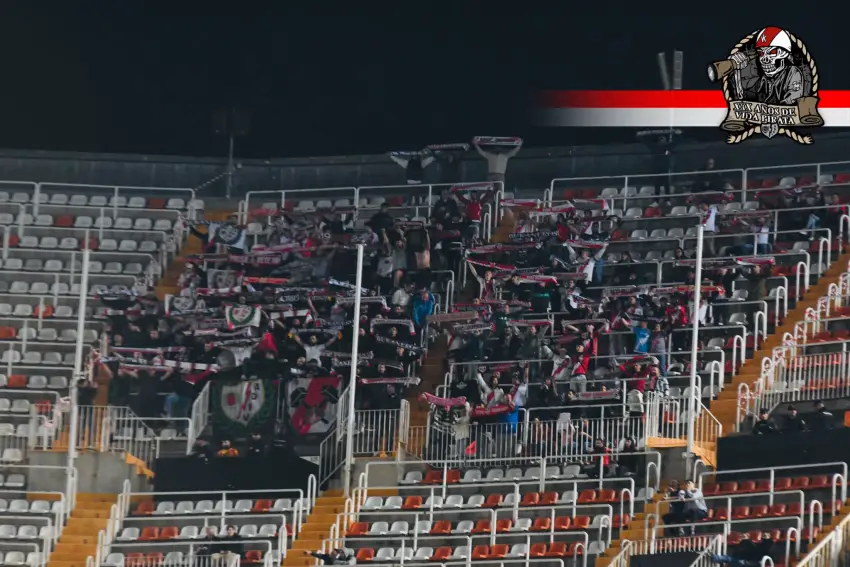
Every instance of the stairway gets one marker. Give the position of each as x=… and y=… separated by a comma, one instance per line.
x=79, y=537
x=634, y=531
x=167, y=284
x=316, y=528
x=90, y=439
x=725, y=407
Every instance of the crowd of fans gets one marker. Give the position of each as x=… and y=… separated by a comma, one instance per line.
x=543, y=333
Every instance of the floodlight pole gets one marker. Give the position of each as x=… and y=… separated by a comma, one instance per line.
x=74, y=426
x=230, y=150
x=695, y=397
x=352, y=385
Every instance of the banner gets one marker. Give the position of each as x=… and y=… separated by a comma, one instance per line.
x=744, y=114
x=312, y=403
x=241, y=408
x=238, y=316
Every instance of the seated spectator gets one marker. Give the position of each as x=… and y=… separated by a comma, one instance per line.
x=676, y=512
x=202, y=450
x=256, y=446
x=695, y=507
x=227, y=450
x=228, y=549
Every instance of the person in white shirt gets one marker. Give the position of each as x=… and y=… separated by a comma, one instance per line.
x=313, y=350
x=497, y=158
x=586, y=261
x=709, y=223
x=492, y=395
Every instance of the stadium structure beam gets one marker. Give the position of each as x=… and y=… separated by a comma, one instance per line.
x=352, y=385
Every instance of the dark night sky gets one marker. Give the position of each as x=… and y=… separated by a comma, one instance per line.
x=332, y=77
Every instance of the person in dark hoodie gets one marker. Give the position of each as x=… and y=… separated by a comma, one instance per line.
x=765, y=425
x=822, y=419
x=793, y=422
x=747, y=553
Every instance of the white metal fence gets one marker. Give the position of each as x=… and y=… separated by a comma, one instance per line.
x=376, y=433
x=661, y=546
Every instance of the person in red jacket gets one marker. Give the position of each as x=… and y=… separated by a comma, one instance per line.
x=474, y=203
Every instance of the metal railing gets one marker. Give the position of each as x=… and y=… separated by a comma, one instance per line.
x=831, y=551
x=200, y=415
x=630, y=548
x=376, y=433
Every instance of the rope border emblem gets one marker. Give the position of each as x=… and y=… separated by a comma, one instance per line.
x=800, y=139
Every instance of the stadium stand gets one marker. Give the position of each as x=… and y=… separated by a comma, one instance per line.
x=523, y=371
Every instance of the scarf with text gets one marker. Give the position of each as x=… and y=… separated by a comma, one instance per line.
x=536, y=236
x=498, y=248
x=393, y=322
x=398, y=344
x=473, y=327
x=407, y=381
x=443, y=402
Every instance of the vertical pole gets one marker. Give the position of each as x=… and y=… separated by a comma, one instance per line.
x=73, y=429
x=230, y=158
x=695, y=396
x=352, y=386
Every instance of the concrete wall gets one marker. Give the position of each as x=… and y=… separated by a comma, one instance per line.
x=96, y=472
x=531, y=168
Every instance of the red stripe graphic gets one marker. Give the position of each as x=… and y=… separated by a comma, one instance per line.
x=661, y=99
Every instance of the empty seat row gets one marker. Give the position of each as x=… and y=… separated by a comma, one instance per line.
x=22, y=198
x=154, y=533
x=21, y=506
x=41, y=312
x=54, y=288
x=58, y=266
x=36, y=382
x=21, y=430
x=8, y=531
x=14, y=481
x=148, y=508
x=763, y=485
x=47, y=334
x=52, y=358
x=479, y=552
x=12, y=456
x=83, y=221
x=762, y=511
x=590, y=496
x=14, y=406
x=46, y=288
x=466, y=527
x=492, y=475
x=71, y=243
x=19, y=558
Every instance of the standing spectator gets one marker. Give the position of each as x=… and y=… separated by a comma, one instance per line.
x=822, y=419
x=414, y=164
x=642, y=338
x=423, y=306
x=497, y=158
x=793, y=422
